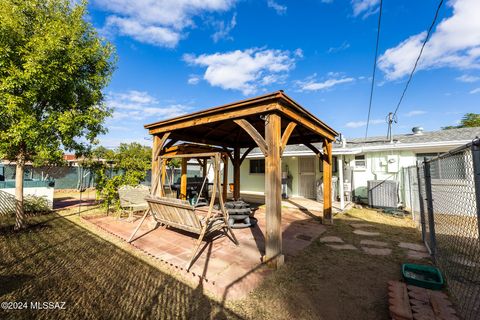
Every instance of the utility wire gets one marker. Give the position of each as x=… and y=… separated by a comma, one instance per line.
x=419, y=56
x=374, y=68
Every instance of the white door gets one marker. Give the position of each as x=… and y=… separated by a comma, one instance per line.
x=306, y=179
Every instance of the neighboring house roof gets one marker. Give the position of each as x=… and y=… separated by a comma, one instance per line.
x=433, y=141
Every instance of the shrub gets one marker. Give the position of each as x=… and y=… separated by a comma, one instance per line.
x=36, y=205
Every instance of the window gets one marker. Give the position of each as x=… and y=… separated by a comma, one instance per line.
x=422, y=156
x=257, y=166
x=360, y=162
x=334, y=165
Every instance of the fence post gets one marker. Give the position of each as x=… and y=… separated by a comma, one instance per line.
x=428, y=191
x=420, y=203
x=476, y=175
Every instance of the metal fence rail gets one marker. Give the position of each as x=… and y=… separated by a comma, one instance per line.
x=444, y=197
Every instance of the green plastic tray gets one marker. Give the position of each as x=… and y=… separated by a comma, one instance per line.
x=423, y=276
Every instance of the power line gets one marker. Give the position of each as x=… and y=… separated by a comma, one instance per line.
x=419, y=56
x=374, y=68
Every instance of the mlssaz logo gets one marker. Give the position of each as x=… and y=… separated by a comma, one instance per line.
x=47, y=305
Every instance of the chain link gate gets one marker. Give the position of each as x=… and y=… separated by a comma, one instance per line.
x=445, y=193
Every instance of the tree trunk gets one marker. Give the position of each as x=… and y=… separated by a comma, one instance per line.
x=20, y=220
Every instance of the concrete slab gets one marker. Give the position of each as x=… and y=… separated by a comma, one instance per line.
x=374, y=243
x=413, y=246
x=331, y=239
x=342, y=246
x=366, y=233
x=417, y=255
x=223, y=267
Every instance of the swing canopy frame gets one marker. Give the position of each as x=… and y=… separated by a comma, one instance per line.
x=267, y=123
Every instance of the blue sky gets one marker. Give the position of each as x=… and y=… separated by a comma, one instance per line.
x=179, y=56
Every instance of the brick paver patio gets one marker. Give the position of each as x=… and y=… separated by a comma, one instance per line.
x=223, y=269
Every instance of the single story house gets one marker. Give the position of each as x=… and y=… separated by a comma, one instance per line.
x=356, y=161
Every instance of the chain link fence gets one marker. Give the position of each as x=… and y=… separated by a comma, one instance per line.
x=443, y=194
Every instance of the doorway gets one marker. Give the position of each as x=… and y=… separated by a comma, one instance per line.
x=306, y=181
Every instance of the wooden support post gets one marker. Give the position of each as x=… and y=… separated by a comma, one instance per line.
x=225, y=178
x=204, y=168
x=155, y=165
x=273, y=192
x=236, y=173
x=163, y=169
x=327, y=182
x=183, y=180
x=204, y=175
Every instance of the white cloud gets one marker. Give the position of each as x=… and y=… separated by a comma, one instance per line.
x=157, y=22
x=467, y=78
x=455, y=43
x=359, y=124
x=246, y=70
x=414, y=113
x=364, y=7
x=298, y=53
x=193, y=79
x=344, y=46
x=474, y=91
x=139, y=105
x=311, y=84
x=224, y=29
x=145, y=33
x=280, y=9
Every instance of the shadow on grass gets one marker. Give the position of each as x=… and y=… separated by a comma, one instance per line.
x=96, y=279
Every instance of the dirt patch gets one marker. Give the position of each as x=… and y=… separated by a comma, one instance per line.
x=323, y=283
x=362, y=225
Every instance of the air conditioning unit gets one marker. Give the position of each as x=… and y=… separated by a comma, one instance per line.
x=382, y=193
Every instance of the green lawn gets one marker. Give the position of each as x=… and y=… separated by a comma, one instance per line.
x=63, y=259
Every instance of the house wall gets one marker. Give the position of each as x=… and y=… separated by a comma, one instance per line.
x=255, y=182
x=377, y=168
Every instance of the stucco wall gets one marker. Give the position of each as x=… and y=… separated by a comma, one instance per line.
x=46, y=192
x=377, y=169
x=250, y=181
x=255, y=182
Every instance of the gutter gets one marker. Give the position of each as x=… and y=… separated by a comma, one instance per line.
x=359, y=150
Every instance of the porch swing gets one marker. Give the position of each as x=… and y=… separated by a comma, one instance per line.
x=180, y=214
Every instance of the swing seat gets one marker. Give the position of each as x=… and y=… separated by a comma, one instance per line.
x=181, y=215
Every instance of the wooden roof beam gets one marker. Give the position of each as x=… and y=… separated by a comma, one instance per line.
x=286, y=135
x=226, y=115
x=257, y=137
x=200, y=140
x=307, y=123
